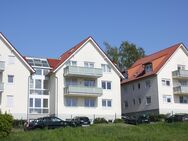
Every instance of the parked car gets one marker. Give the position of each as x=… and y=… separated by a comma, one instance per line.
x=136, y=120
x=45, y=122
x=177, y=118
x=80, y=121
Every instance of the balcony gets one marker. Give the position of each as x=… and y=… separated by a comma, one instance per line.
x=82, y=71
x=181, y=90
x=82, y=91
x=1, y=87
x=2, y=65
x=39, y=92
x=183, y=74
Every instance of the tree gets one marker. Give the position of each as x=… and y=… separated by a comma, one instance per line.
x=124, y=56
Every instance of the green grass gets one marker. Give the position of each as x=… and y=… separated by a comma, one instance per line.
x=107, y=132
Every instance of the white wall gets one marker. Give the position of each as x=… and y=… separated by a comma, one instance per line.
x=178, y=58
x=90, y=54
x=19, y=89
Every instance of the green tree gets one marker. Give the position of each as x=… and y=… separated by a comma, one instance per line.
x=124, y=56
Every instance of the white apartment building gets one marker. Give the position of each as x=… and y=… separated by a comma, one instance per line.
x=157, y=83
x=81, y=82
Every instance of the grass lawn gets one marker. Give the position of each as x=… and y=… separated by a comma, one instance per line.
x=107, y=132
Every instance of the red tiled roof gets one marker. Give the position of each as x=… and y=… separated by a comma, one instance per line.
x=68, y=53
x=158, y=59
x=53, y=62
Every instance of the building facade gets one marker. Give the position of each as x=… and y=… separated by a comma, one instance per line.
x=81, y=82
x=158, y=83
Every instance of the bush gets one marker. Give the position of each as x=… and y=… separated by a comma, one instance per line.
x=99, y=120
x=6, y=122
x=118, y=120
x=18, y=123
x=156, y=118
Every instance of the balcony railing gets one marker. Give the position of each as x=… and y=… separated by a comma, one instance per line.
x=82, y=71
x=39, y=92
x=181, y=90
x=1, y=87
x=180, y=74
x=82, y=91
x=2, y=65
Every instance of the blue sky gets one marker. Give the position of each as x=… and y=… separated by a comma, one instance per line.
x=47, y=28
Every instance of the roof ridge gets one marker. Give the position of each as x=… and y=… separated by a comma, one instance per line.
x=158, y=52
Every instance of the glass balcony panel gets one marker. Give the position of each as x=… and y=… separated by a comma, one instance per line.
x=82, y=71
x=180, y=74
x=82, y=90
x=181, y=89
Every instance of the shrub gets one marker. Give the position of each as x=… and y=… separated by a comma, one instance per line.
x=156, y=118
x=18, y=123
x=6, y=121
x=118, y=120
x=99, y=120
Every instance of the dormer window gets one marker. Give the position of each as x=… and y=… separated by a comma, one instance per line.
x=181, y=67
x=148, y=67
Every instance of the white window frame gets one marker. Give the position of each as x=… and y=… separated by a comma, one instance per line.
x=73, y=102
x=166, y=98
x=106, y=103
x=148, y=103
x=164, y=82
x=90, y=102
x=11, y=59
x=89, y=64
x=106, y=85
x=10, y=101
x=12, y=76
x=106, y=68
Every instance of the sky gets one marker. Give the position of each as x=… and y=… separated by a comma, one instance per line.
x=47, y=28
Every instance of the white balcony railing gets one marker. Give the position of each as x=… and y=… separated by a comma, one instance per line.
x=181, y=90
x=180, y=74
x=82, y=91
x=82, y=71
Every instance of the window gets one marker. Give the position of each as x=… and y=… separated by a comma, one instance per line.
x=147, y=84
x=148, y=100
x=126, y=104
x=10, y=78
x=10, y=101
x=73, y=63
x=37, y=102
x=167, y=98
x=148, y=67
x=38, y=71
x=71, y=102
x=106, y=68
x=45, y=71
x=89, y=83
x=181, y=67
x=134, y=102
x=138, y=85
x=183, y=99
x=89, y=103
x=139, y=100
x=31, y=102
x=11, y=59
x=89, y=64
x=71, y=82
x=38, y=83
x=166, y=82
x=31, y=83
x=106, y=103
x=183, y=82
x=106, y=85
x=45, y=103
x=45, y=84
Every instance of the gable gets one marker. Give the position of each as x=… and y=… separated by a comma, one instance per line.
x=89, y=51
x=8, y=49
